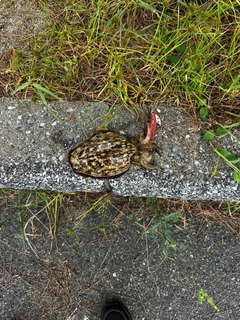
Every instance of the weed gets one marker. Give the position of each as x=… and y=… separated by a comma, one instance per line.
x=233, y=208
x=202, y=294
x=161, y=225
x=4, y=221
x=53, y=205
x=35, y=202
x=231, y=159
x=101, y=205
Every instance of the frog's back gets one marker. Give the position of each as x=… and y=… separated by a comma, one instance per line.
x=104, y=155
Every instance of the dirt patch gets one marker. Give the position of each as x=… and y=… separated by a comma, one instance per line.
x=18, y=19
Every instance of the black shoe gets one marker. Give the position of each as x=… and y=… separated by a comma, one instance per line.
x=115, y=311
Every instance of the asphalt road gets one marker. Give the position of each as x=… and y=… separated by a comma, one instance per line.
x=83, y=270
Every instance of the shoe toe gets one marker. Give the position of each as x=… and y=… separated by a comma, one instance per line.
x=115, y=311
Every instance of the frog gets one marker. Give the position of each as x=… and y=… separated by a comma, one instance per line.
x=108, y=154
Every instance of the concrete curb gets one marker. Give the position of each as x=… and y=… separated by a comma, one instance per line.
x=34, y=152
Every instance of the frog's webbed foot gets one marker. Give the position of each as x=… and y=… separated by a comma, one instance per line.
x=148, y=166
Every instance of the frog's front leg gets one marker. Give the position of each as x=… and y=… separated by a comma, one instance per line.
x=146, y=158
x=148, y=166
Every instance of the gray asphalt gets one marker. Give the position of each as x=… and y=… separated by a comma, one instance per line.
x=89, y=268
x=35, y=146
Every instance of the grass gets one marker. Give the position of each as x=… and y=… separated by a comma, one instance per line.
x=127, y=52
x=101, y=205
x=231, y=159
x=161, y=225
x=163, y=213
x=29, y=206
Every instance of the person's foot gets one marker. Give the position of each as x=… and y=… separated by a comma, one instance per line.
x=115, y=311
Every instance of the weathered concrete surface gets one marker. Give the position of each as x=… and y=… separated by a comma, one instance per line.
x=34, y=152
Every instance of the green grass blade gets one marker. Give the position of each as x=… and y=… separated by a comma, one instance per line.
x=45, y=90
x=21, y=87
x=43, y=99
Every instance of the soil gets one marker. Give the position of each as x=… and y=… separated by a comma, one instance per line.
x=18, y=19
